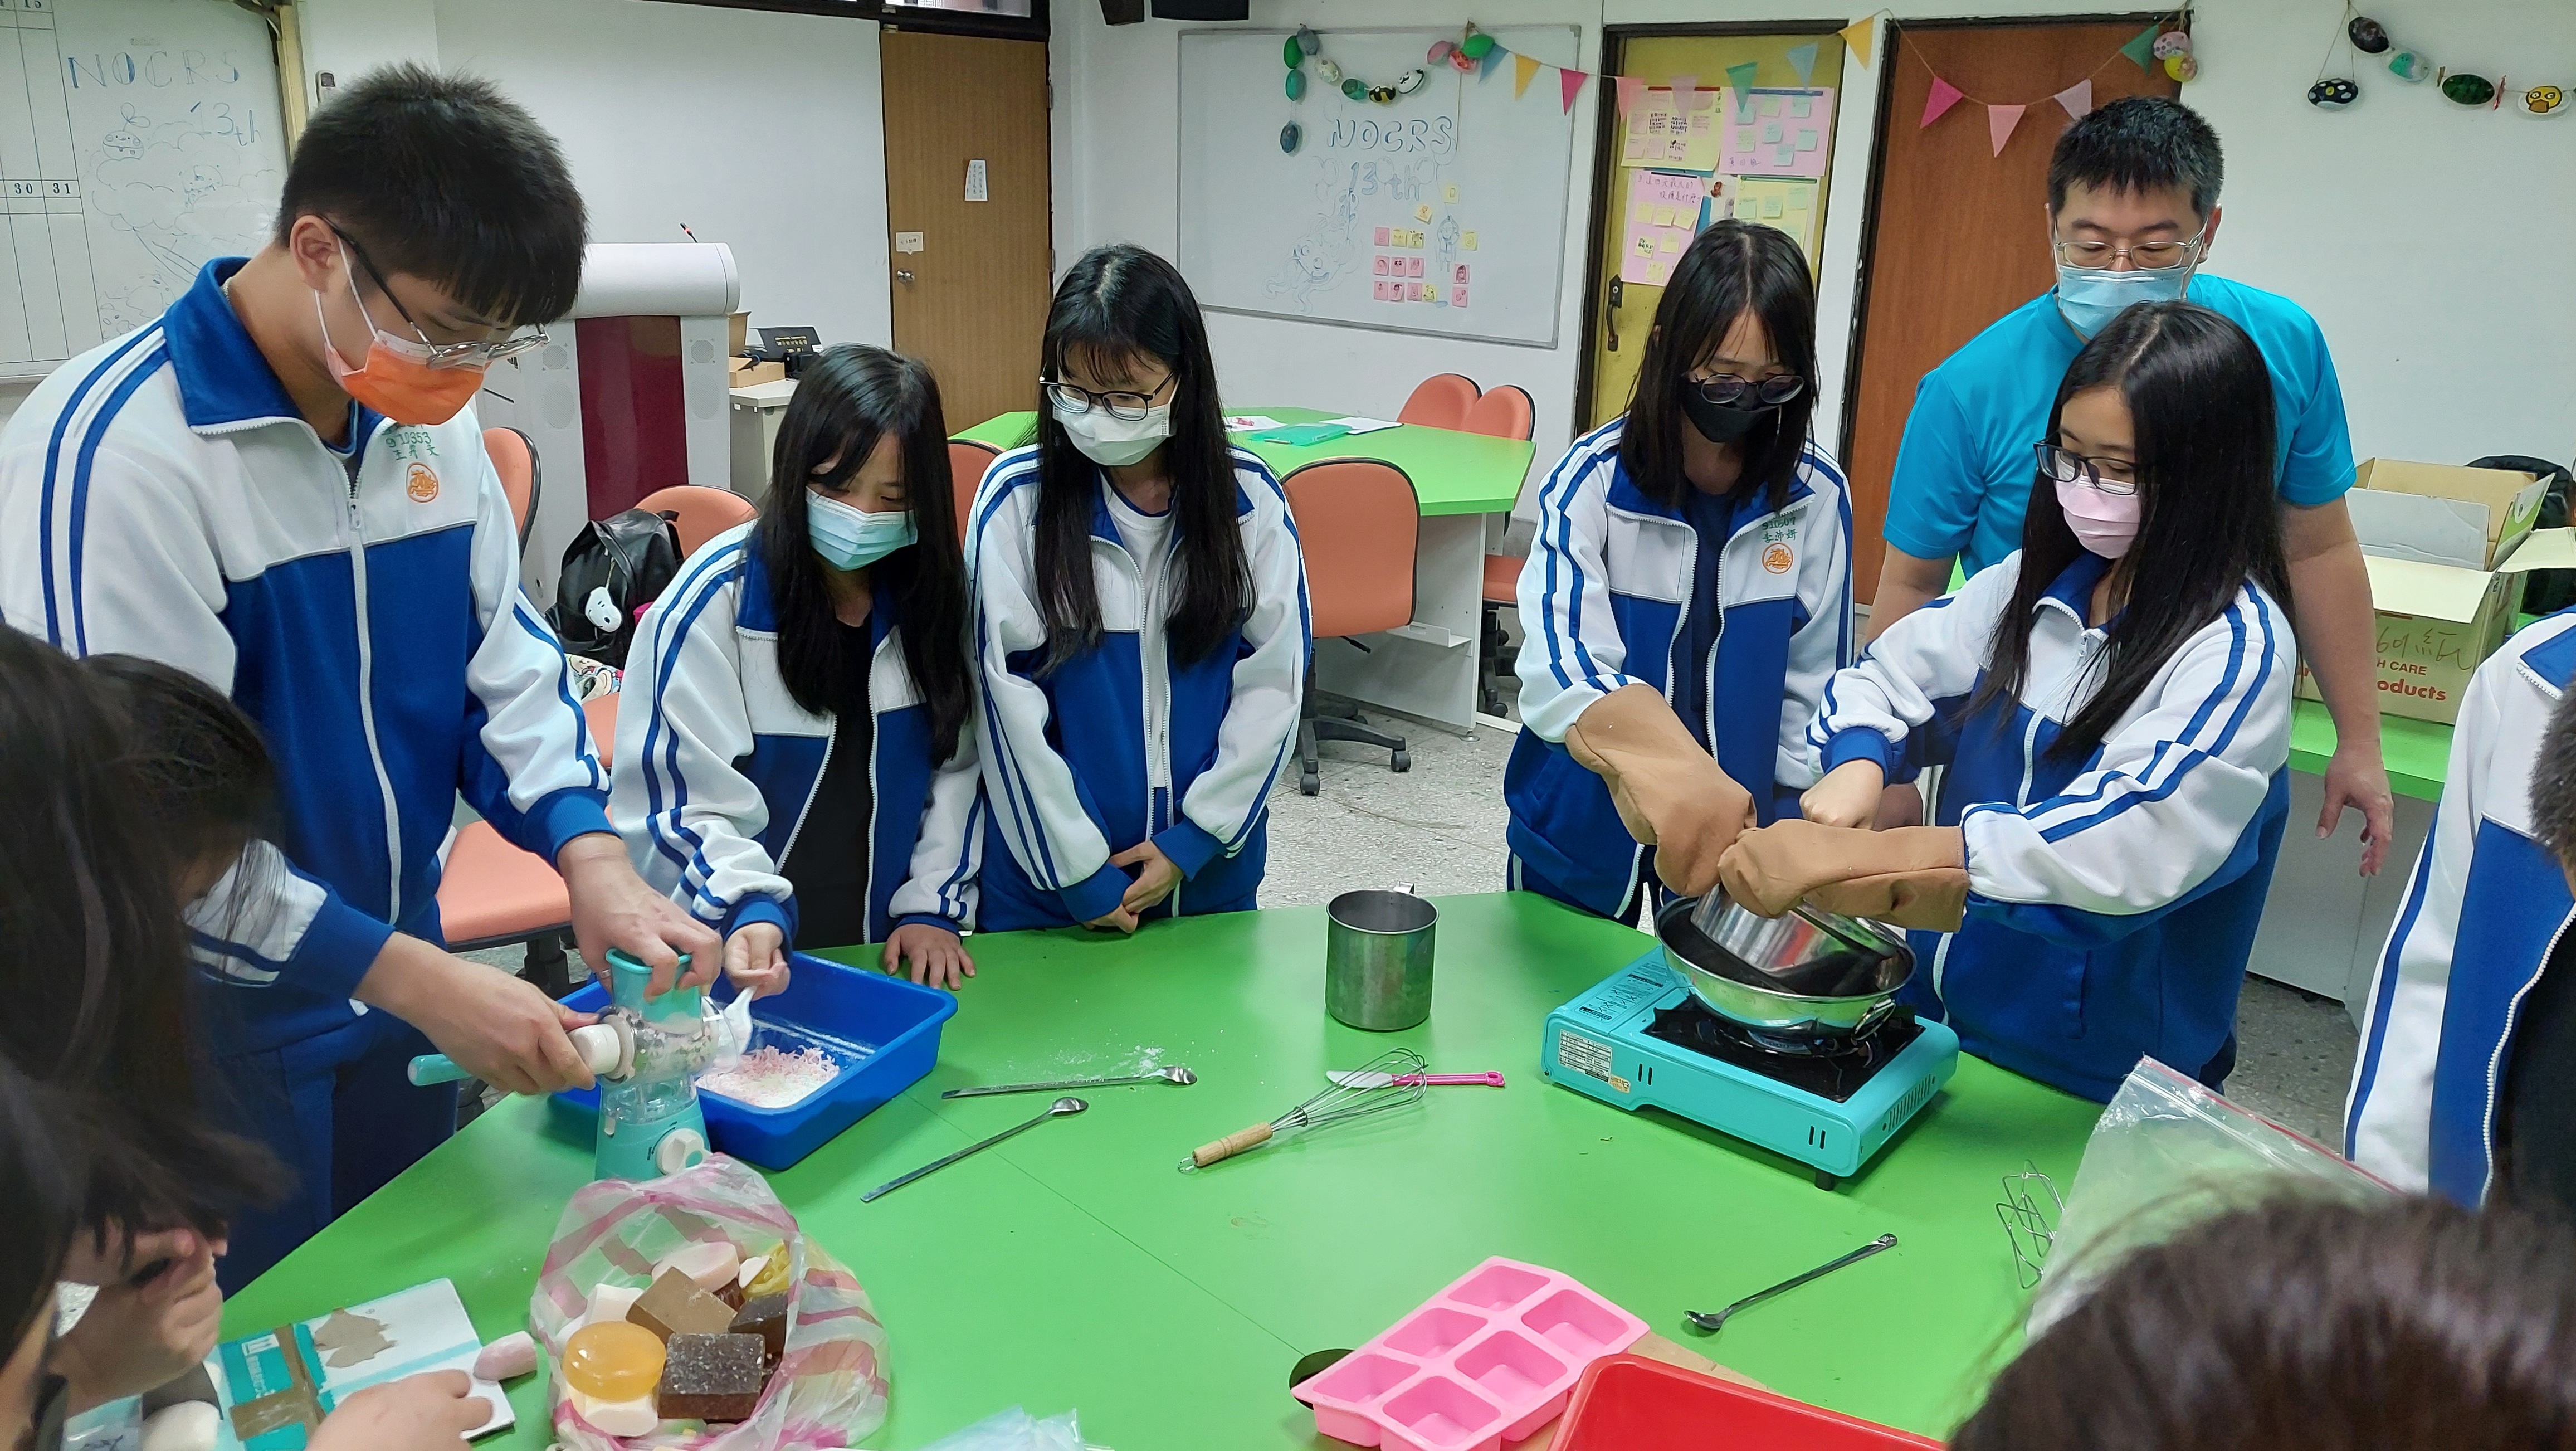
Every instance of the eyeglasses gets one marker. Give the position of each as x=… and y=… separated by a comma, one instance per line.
x=1126, y=407
x=2066, y=466
x=1726, y=389
x=2145, y=256
x=444, y=355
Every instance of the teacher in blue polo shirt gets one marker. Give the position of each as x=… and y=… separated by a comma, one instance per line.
x=2132, y=213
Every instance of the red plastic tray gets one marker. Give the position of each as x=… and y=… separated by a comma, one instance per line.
x=1630, y=1403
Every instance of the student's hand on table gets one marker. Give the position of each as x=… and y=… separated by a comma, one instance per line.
x=755, y=958
x=1156, y=875
x=2358, y=778
x=933, y=956
x=1847, y=796
x=134, y=1339
x=429, y=1412
x=498, y=1028
x=612, y=907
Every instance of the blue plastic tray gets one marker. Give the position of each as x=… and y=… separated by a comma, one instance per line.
x=884, y=1030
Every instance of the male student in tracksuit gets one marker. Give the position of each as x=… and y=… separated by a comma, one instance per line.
x=281, y=486
x=2466, y=1084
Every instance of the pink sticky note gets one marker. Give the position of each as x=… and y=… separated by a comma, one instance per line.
x=1380, y=293
x=1381, y=236
x=1381, y=266
x=1460, y=275
x=1415, y=266
x=1458, y=295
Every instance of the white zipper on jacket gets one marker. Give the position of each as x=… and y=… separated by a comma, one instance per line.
x=1154, y=659
x=876, y=803
x=831, y=737
x=2495, y=1060
x=367, y=681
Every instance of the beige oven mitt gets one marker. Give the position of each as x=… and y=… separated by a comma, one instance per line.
x=1911, y=876
x=1670, y=791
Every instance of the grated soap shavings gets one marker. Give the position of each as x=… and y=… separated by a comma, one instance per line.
x=772, y=1077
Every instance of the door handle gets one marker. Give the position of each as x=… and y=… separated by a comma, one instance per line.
x=901, y=275
x=1610, y=320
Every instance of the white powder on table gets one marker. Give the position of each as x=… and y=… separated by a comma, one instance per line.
x=772, y=1077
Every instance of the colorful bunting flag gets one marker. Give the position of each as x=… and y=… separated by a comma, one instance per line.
x=1523, y=68
x=1493, y=57
x=1944, y=96
x=1802, y=59
x=1856, y=37
x=1740, y=79
x=1631, y=88
x=2142, y=48
x=2077, y=99
x=1572, y=81
x=1684, y=87
x=2000, y=121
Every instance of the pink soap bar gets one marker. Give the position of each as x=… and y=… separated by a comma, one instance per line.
x=711, y=1263
x=507, y=1358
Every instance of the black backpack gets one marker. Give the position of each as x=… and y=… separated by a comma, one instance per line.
x=611, y=571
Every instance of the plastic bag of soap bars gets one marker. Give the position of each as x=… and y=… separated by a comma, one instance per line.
x=829, y=1388
x=1015, y=1430
x=2169, y=1154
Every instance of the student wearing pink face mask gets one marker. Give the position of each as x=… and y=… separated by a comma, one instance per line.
x=2112, y=705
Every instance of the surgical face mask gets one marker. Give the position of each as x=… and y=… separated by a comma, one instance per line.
x=2089, y=297
x=396, y=379
x=2106, y=524
x=852, y=538
x=1116, y=442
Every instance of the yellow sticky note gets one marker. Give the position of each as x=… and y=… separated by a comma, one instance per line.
x=1645, y=245
x=1449, y=193
x=1747, y=209
x=1669, y=242
x=1422, y=213
x=1662, y=216
x=1771, y=207
x=1468, y=242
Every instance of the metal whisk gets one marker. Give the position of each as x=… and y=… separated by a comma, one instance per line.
x=1334, y=1105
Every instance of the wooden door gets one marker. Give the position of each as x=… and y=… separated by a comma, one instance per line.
x=1958, y=234
x=1621, y=312
x=972, y=278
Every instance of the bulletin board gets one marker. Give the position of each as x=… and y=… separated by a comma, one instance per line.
x=1762, y=153
x=1442, y=213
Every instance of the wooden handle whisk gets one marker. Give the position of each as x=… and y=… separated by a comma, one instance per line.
x=1229, y=1146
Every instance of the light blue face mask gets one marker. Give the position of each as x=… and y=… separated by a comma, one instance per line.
x=853, y=538
x=2089, y=297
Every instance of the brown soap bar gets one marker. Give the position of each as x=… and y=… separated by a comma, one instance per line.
x=731, y=1293
x=765, y=1317
x=675, y=1306
x=711, y=1378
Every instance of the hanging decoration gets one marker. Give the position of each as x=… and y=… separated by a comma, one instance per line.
x=1306, y=45
x=2165, y=45
x=2361, y=35
x=1802, y=59
x=2000, y=121
x=1857, y=36
x=2077, y=99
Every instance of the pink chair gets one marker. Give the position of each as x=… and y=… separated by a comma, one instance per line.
x=1356, y=523
x=703, y=513
x=1504, y=413
x=514, y=458
x=1440, y=401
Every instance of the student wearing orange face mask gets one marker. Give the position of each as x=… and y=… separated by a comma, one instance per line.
x=280, y=486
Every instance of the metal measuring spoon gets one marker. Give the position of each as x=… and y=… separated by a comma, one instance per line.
x=1061, y=1108
x=1172, y=1073
x=1712, y=1323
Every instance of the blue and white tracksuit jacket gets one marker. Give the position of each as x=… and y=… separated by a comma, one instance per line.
x=1605, y=595
x=2484, y=910
x=161, y=496
x=1123, y=742
x=718, y=764
x=2112, y=900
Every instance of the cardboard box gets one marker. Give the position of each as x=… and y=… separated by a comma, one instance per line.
x=2447, y=548
x=737, y=333
x=748, y=374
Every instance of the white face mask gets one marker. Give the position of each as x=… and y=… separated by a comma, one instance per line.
x=1116, y=442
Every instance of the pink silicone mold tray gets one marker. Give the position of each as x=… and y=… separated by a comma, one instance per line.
x=1490, y=1359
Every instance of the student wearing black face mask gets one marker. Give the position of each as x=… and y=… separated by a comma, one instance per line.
x=1687, y=597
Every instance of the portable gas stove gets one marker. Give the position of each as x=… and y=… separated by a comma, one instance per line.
x=1641, y=1038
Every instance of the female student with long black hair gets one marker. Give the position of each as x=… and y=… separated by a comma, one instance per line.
x=796, y=762
x=1140, y=622
x=1688, y=594
x=2112, y=704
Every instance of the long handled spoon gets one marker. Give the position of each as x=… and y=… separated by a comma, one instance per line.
x=1061, y=1108
x=1172, y=1073
x=1712, y=1323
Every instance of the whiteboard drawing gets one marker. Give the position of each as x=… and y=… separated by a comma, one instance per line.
x=1317, y=260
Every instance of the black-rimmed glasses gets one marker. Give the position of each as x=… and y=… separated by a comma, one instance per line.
x=442, y=355
x=1072, y=398
x=1728, y=390
x=2066, y=466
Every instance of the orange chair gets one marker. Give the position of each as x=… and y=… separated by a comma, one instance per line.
x=1356, y=521
x=1504, y=413
x=1440, y=401
x=701, y=513
x=514, y=458
x=967, y=461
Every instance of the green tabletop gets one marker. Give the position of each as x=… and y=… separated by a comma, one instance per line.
x=1074, y=1266
x=1452, y=472
x=2417, y=752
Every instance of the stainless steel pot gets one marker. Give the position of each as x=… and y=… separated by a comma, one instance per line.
x=1807, y=975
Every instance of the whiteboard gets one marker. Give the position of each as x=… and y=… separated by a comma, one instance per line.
x=1460, y=174
x=138, y=138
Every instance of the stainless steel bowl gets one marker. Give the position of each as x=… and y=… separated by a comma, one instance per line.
x=1863, y=963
